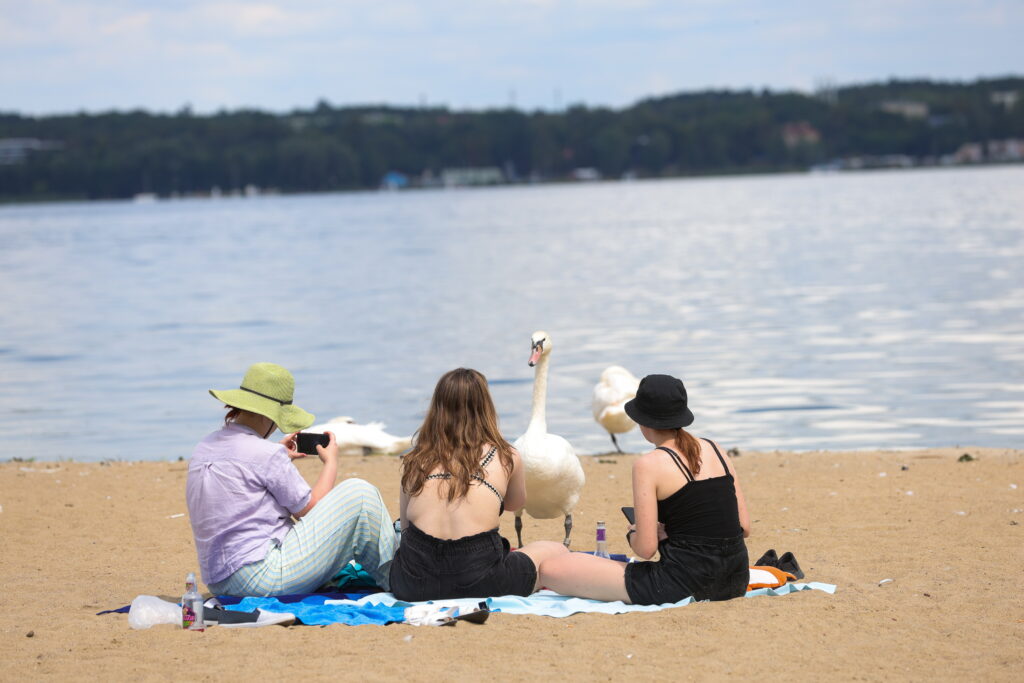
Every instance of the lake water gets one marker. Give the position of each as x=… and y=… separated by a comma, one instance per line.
x=803, y=311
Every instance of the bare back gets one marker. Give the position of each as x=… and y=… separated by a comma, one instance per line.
x=662, y=475
x=478, y=511
x=671, y=479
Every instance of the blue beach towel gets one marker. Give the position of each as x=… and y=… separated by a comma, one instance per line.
x=383, y=608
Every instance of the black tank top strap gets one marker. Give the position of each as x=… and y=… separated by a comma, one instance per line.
x=719, y=454
x=678, y=461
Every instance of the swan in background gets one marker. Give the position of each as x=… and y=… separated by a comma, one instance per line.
x=357, y=439
x=617, y=386
x=554, y=476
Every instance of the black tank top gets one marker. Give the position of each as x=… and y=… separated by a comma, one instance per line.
x=704, y=507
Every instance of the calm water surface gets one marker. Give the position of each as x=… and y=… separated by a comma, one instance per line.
x=803, y=312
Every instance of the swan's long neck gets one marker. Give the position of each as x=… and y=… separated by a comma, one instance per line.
x=538, y=416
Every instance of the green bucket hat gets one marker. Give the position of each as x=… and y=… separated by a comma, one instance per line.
x=267, y=390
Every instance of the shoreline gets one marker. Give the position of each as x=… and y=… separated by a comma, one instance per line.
x=557, y=182
x=973, y=451
x=83, y=537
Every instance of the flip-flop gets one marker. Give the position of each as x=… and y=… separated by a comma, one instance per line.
x=216, y=615
x=477, y=616
x=769, y=559
x=788, y=563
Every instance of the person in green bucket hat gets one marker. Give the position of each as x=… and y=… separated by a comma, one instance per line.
x=259, y=528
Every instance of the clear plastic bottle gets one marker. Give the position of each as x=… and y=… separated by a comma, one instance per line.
x=602, y=543
x=192, y=606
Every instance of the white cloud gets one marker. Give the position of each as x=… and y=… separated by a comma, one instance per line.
x=276, y=54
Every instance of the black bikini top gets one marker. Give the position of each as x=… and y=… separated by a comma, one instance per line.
x=483, y=464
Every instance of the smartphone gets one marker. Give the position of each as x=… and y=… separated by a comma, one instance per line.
x=307, y=443
x=629, y=515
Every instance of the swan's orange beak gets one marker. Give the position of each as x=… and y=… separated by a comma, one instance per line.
x=538, y=349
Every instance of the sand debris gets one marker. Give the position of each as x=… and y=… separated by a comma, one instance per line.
x=48, y=470
x=884, y=581
x=180, y=514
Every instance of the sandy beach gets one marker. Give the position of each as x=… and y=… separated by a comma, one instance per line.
x=80, y=538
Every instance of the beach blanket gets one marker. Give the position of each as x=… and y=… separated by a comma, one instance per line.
x=383, y=608
x=305, y=598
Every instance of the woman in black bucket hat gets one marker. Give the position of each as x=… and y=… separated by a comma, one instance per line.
x=689, y=507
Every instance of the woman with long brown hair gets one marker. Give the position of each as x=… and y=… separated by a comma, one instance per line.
x=689, y=507
x=459, y=477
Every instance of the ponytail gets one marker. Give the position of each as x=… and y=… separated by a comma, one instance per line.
x=689, y=447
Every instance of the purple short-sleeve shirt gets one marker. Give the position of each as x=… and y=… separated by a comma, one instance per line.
x=241, y=493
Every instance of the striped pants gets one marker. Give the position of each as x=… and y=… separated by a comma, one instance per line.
x=349, y=523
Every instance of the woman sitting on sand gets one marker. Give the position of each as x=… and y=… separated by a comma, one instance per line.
x=243, y=491
x=689, y=507
x=456, y=481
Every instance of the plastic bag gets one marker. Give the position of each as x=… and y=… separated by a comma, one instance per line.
x=149, y=610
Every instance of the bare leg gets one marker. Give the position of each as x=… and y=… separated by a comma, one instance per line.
x=519, y=529
x=615, y=441
x=568, y=529
x=585, y=576
x=540, y=552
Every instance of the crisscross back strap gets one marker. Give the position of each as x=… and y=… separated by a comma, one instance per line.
x=719, y=454
x=483, y=463
x=678, y=461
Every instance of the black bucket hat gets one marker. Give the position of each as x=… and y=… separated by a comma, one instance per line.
x=660, y=403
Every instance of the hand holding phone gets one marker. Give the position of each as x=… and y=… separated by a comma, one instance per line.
x=307, y=443
x=630, y=514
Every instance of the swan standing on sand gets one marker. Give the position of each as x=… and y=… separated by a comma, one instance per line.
x=617, y=386
x=554, y=476
x=357, y=439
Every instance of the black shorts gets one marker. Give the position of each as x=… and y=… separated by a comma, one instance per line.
x=478, y=566
x=705, y=568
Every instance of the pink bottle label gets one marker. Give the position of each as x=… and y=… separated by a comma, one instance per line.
x=188, y=617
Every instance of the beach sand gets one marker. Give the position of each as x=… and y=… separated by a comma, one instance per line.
x=79, y=538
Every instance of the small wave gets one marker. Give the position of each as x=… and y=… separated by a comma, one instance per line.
x=49, y=357
x=776, y=409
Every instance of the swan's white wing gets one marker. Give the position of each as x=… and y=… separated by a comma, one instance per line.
x=355, y=437
x=554, y=475
x=617, y=386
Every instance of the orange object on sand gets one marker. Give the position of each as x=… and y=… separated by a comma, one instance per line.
x=768, y=577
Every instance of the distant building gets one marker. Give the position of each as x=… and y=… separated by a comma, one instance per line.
x=1005, y=150
x=394, y=180
x=969, y=153
x=908, y=109
x=466, y=177
x=380, y=118
x=585, y=174
x=16, y=150
x=1005, y=98
x=799, y=134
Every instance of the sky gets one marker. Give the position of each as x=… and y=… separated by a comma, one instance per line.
x=65, y=55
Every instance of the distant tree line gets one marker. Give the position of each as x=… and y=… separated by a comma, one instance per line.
x=120, y=154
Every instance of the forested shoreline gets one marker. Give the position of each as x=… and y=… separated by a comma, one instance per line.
x=325, y=148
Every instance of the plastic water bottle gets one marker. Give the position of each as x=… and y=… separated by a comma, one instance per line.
x=602, y=543
x=192, y=606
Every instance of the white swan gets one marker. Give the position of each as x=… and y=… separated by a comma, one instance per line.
x=617, y=386
x=554, y=476
x=357, y=439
